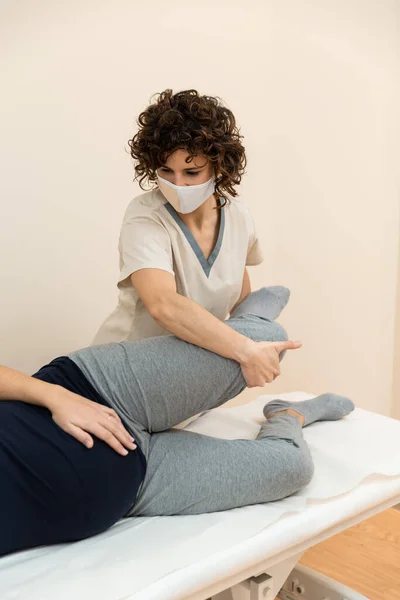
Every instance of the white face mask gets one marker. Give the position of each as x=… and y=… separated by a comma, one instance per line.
x=186, y=198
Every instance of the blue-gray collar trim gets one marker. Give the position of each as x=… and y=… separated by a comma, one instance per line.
x=206, y=264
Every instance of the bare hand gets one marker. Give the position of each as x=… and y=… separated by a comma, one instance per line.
x=81, y=417
x=262, y=364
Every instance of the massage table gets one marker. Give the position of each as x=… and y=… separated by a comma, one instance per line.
x=242, y=554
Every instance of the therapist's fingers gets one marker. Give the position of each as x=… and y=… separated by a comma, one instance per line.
x=289, y=345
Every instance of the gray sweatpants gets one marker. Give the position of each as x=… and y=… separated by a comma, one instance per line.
x=156, y=383
x=188, y=473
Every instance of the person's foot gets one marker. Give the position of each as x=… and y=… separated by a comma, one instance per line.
x=291, y=412
x=268, y=302
x=327, y=407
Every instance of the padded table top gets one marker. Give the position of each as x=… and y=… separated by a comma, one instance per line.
x=357, y=467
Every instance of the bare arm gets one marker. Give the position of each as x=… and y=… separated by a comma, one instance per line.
x=18, y=386
x=186, y=319
x=246, y=289
x=191, y=322
x=73, y=413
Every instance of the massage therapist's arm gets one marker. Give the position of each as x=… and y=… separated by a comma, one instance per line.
x=191, y=322
x=246, y=290
x=74, y=414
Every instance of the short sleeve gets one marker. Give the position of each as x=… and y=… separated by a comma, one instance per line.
x=144, y=243
x=254, y=252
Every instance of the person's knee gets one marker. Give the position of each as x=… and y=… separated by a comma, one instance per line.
x=280, y=333
x=271, y=331
x=300, y=469
x=306, y=472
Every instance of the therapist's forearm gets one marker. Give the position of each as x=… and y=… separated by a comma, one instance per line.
x=18, y=386
x=191, y=322
x=246, y=290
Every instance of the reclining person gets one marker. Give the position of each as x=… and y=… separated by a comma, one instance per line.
x=88, y=438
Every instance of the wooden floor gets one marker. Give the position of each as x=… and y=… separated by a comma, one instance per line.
x=365, y=557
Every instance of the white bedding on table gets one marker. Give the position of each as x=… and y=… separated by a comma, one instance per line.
x=357, y=466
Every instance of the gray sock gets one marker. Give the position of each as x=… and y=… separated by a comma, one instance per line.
x=327, y=407
x=268, y=302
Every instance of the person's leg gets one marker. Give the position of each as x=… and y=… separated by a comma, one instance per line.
x=267, y=302
x=52, y=488
x=157, y=383
x=188, y=473
x=327, y=407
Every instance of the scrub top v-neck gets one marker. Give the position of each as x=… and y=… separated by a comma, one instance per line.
x=206, y=263
x=153, y=236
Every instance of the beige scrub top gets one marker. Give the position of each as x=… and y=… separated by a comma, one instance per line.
x=153, y=236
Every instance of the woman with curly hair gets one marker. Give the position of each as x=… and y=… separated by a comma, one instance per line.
x=184, y=245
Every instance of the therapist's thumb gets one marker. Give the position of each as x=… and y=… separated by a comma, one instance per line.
x=289, y=345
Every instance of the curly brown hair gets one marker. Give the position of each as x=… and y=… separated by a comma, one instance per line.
x=198, y=124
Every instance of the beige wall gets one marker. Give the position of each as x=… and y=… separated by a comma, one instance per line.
x=396, y=369
x=312, y=86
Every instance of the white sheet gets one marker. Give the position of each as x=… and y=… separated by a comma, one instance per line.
x=357, y=466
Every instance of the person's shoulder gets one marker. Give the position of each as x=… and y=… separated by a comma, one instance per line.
x=239, y=211
x=145, y=205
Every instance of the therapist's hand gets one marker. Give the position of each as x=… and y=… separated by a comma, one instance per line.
x=261, y=365
x=81, y=417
